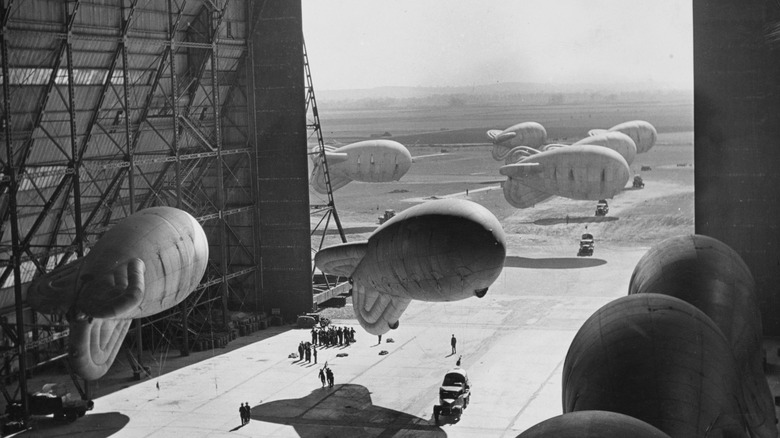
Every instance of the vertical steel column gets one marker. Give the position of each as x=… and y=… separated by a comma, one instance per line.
x=185, y=350
x=128, y=138
x=215, y=21
x=75, y=162
x=174, y=101
x=130, y=150
x=13, y=187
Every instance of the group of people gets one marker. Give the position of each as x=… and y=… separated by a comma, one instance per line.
x=332, y=336
x=244, y=411
x=326, y=373
x=306, y=350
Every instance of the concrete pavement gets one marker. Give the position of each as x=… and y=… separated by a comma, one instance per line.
x=513, y=344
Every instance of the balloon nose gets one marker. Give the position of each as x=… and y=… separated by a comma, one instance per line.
x=479, y=293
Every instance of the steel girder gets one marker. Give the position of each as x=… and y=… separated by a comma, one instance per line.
x=133, y=139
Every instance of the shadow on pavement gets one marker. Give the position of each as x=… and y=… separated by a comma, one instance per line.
x=89, y=426
x=552, y=263
x=574, y=220
x=343, y=411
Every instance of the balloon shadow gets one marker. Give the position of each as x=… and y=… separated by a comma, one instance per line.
x=89, y=426
x=344, y=411
x=575, y=220
x=552, y=263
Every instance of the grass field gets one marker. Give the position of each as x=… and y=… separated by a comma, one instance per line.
x=468, y=124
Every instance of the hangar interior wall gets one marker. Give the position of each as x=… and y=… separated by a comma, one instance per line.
x=737, y=136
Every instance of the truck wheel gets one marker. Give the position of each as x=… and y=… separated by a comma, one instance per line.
x=436, y=413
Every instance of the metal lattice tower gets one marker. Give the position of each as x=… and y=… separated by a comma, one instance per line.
x=328, y=210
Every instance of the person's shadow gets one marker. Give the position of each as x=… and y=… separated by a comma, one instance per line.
x=344, y=410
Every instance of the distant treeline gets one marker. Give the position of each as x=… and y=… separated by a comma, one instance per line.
x=469, y=99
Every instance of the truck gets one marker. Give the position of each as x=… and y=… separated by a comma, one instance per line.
x=53, y=399
x=454, y=394
x=586, y=245
x=602, y=208
x=387, y=216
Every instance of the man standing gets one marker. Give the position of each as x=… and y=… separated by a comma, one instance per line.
x=453, y=341
x=330, y=377
x=314, y=352
x=322, y=376
x=244, y=411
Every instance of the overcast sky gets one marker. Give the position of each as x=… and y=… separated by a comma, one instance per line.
x=372, y=43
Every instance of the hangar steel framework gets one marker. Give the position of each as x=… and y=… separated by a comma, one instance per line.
x=109, y=107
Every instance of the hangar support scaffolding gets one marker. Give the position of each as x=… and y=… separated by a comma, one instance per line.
x=324, y=287
x=109, y=107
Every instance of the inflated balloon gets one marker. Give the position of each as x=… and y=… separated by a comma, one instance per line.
x=593, y=424
x=529, y=134
x=443, y=250
x=710, y=275
x=147, y=263
x=643, y=133
x=617, y=141
x=582, y=172
x=372, y=161
x=659, y=359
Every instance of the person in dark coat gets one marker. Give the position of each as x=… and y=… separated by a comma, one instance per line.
x=329, y=374
x=322, y=376
x=314, y=352
x=244, y=411
x=300, y=350
x=453, y=341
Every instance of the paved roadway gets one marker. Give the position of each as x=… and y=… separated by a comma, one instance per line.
x=513, y=344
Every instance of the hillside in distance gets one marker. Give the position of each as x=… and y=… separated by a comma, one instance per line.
x=514, y=92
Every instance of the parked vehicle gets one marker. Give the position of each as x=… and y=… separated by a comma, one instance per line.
x=586, y=245
x=64, y=408
x=602, y=208
x=388, y=215
x=454, y=395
